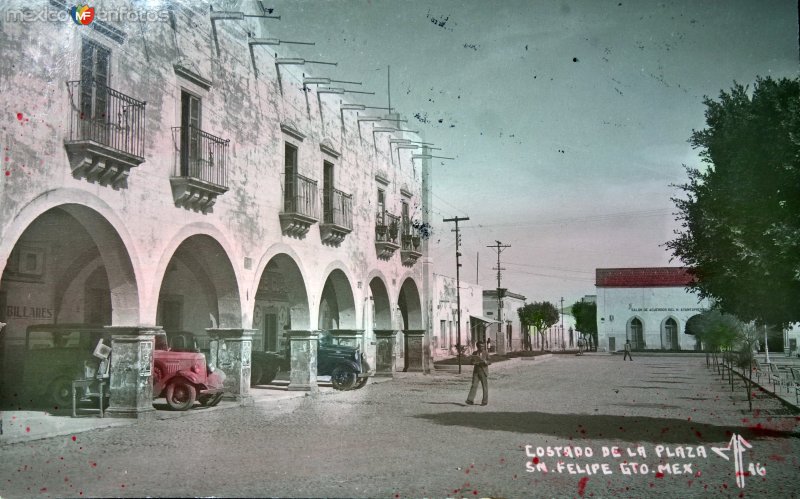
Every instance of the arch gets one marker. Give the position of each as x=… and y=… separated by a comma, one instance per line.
x=280, y=302
x=669, y=333
x=337, y=308
x=199, y=282
x=62, y=232
x=222, y=246
x=382, y=306
x=409, y=305
x=634, y=331
x=299, y=312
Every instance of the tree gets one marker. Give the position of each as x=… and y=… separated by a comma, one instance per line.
x=741, y=216
x=539, y=315
x=585, y=314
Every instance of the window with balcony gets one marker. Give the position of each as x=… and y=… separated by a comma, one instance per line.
x=299, y=197
x=337, y=209
x=106, y=131
x=202, y=172
x=410, y=240
x=387, y=227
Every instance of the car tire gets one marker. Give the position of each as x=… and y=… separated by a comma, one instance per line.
x=256, y=372
x=343, y=378
x=180, y=395
x=61, y=393
x=361, y=383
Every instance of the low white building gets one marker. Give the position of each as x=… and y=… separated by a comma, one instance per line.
x=648, y=306
x=444, y=316
x=510, y=336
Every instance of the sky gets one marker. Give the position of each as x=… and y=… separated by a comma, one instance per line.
x=568, y=120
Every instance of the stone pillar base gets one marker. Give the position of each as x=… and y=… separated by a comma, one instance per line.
x=231, y=350
x=414, y=351
x=131, y=372
x=385, y=363
x=303, y=348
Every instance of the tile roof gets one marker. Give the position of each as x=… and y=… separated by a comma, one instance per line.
x=643, y=277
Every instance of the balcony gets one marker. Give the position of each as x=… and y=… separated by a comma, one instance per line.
x=387, y=227
x=411, y=242
x=337, y=219
x=106, y=133
x=300, y=206
x=202, y=172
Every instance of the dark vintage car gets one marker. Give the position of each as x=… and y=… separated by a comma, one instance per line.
x=57, y=354
x=182, y=375
x=346, y=365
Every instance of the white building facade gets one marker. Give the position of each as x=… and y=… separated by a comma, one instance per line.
x=445, y=316
x=509, y=335
x=647, y=306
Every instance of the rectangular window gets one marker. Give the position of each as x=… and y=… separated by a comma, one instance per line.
x=327, y=191
x=289, y=172
x=381, y=207
x=190, y=134
x=406, y=220
x=442, y=334
x=94, y=80
x=450, y=333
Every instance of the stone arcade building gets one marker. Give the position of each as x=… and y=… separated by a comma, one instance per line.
x=174, y=174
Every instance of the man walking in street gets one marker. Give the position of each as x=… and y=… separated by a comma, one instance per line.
x=480, y=373
x=627, y=350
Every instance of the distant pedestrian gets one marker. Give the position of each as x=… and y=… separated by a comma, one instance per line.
x=627, y=350
x=488, y=344
x=480, y=374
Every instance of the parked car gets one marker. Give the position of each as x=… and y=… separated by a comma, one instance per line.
x=56, y=354
x=347, y=366
x=182, y=375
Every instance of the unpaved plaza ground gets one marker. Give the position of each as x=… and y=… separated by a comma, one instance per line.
x=415, y=437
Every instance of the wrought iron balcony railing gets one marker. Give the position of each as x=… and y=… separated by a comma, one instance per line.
x=300, y=196
x=202, y=156
x=106, y=116
x=338, y=208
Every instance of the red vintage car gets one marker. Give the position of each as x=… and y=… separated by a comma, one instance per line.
x=181, y=375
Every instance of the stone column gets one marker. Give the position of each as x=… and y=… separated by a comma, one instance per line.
x=414, y=351
x=303, y=375
x=131, y=376
x=384, y=359
x=231, y=350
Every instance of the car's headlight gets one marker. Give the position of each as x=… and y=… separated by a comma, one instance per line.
x=357, y=356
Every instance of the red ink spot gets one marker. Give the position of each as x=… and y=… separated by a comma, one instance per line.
x=689, y=482
x=474, y=492
x=27, y=429
x=689, y=418
x=467, y=471
x=698, y=474
x=94, y=465
x=19, y=116
x=699, y=435
x=535, y=460
x=74, y=438
x=776, y=457
x=582, y=485
x=652, y=485
x=43, y=489
x=724, y=485
x=745, y=420
x=502, y=460
x=123, y=485
x=8, y=173
x=659, y=475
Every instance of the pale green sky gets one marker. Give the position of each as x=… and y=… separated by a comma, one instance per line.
x=616, y=85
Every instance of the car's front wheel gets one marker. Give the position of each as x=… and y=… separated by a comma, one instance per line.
x=360, y=383
x=343, y=378
x=180, y=395
x=61, y=393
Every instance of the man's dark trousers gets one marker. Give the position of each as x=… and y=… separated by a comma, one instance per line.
x=479, y=374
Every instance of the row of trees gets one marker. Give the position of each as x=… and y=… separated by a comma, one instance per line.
x=542, y=315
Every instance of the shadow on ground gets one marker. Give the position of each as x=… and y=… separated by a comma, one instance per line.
x=628, y=428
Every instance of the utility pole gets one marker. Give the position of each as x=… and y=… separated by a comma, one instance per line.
x=562, y=320
x=458, y=285
x=499, y=247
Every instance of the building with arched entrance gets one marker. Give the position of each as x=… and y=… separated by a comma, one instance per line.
x=208, y=188
x=647, y=306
